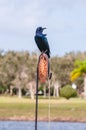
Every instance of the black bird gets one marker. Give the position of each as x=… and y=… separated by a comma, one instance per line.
x=41, y=41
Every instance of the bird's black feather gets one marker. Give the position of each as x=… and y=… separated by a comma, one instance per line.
x=42, y=42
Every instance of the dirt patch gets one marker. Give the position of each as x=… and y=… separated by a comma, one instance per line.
x=24, y=118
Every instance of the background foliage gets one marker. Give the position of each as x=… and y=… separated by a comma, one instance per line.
x=19, y=68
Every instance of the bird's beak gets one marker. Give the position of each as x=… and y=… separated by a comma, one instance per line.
x=43, y=28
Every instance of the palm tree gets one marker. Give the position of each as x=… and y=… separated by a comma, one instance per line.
x=79, y=70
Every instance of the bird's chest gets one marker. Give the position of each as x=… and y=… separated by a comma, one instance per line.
x=38, y=40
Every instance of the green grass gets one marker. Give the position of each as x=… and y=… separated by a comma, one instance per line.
x=60, y=109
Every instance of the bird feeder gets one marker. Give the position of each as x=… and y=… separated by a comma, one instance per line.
x=43, y=68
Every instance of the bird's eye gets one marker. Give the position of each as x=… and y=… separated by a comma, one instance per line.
x=39, y=28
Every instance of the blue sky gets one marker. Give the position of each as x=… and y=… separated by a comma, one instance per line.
x=65, y=21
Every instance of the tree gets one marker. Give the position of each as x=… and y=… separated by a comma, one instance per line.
x=79, y=70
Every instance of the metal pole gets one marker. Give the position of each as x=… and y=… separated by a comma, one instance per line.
x=36, y=109
x=49, y=102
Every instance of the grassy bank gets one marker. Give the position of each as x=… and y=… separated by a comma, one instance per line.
x=13, y=108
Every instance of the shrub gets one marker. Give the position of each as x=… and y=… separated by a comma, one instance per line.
x=68, y=92
x=2, y=89
x=41, y=89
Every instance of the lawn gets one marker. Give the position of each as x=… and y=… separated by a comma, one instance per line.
x=13, y=108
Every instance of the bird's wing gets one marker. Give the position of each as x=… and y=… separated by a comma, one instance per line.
x=45, y=41
x=42, y=44
x=38, y=40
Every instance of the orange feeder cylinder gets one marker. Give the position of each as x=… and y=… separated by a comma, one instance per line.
x=43, y=68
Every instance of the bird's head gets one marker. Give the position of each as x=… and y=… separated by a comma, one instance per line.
x=39, y=31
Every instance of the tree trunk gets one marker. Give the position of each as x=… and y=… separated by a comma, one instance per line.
x=31, y=91
x=56, y=89
x=11, y=90
x=44, y=91
x=85, y=86
x=19, y=92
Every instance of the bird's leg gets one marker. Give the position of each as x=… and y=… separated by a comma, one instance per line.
x=42, y=52
x=45, y=51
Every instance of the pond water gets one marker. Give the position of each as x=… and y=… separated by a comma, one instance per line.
x=25, y=125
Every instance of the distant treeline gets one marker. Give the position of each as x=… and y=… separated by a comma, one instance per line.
x=19, y=68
